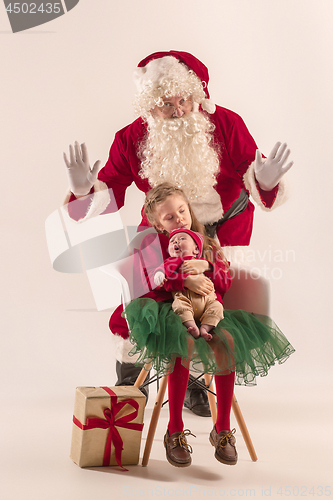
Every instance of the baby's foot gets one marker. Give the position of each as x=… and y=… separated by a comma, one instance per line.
x=192, y=328
x=204, y=332
x=194, y=331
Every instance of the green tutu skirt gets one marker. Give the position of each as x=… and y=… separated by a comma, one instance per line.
x=246, y=343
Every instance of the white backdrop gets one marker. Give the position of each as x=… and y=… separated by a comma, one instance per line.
x=71, y=79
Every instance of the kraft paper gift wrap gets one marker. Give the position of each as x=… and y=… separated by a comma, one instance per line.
x=107, y=426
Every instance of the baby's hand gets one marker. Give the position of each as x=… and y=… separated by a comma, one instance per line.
x=195, y=266
x=159, y=278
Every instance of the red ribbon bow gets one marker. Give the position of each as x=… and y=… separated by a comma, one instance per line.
x=110, y=423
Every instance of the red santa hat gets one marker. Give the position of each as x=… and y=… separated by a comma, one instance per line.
x=198, y=238
x=154, y=69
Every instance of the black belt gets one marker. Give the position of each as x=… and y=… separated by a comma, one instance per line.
x=236, y=208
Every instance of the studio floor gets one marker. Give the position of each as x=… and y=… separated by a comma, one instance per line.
x=292, y=439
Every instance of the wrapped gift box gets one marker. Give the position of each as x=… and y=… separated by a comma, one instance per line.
x=107, y=426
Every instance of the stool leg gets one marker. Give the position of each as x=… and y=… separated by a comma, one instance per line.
x=143, y=375
x=154, y=420
x=211, y=397
x=243, y=428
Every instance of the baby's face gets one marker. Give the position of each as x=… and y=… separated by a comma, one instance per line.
x=182, y=245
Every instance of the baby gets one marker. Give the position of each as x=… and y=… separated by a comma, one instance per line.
x=184, y=245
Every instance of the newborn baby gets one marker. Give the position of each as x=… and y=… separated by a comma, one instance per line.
x=185, y=245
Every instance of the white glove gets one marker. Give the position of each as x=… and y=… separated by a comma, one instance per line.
x=159, y=278
x=81, y=177
x=268, y=173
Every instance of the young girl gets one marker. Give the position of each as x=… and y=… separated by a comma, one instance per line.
x=243, y=343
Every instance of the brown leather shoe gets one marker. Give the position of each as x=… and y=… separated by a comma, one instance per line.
x=178, y=451
x=225, y=449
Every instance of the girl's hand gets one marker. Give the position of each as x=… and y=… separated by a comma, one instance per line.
x=195, y=266
x=199, y=284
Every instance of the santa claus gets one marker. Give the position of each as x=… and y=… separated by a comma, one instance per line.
x=180, y=136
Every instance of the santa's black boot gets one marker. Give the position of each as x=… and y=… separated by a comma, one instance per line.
x=127, y=374
x=196, y=398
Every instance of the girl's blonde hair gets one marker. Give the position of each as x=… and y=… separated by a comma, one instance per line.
x=157, y=195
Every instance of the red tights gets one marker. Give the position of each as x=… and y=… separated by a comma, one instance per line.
x=224, y=391
x=177, y=384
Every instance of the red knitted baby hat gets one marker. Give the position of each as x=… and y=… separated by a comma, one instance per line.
x=198, y=238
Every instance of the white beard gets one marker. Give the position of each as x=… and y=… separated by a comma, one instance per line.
x=179, y=150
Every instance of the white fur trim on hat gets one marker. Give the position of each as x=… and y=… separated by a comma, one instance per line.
x=251, y=185
x=156, y=70
x=99, y=203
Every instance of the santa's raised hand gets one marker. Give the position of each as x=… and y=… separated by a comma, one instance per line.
x=81, y=177
x=269, y=172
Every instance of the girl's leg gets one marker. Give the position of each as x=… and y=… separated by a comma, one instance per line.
x=224, y=392
x=224, y=381
x=221, y=436
x=177, y=384
x=178, y=452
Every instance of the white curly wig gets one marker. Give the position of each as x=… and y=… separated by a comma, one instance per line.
x=167, y=77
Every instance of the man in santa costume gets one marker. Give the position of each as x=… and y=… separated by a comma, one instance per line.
x=180, y=136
